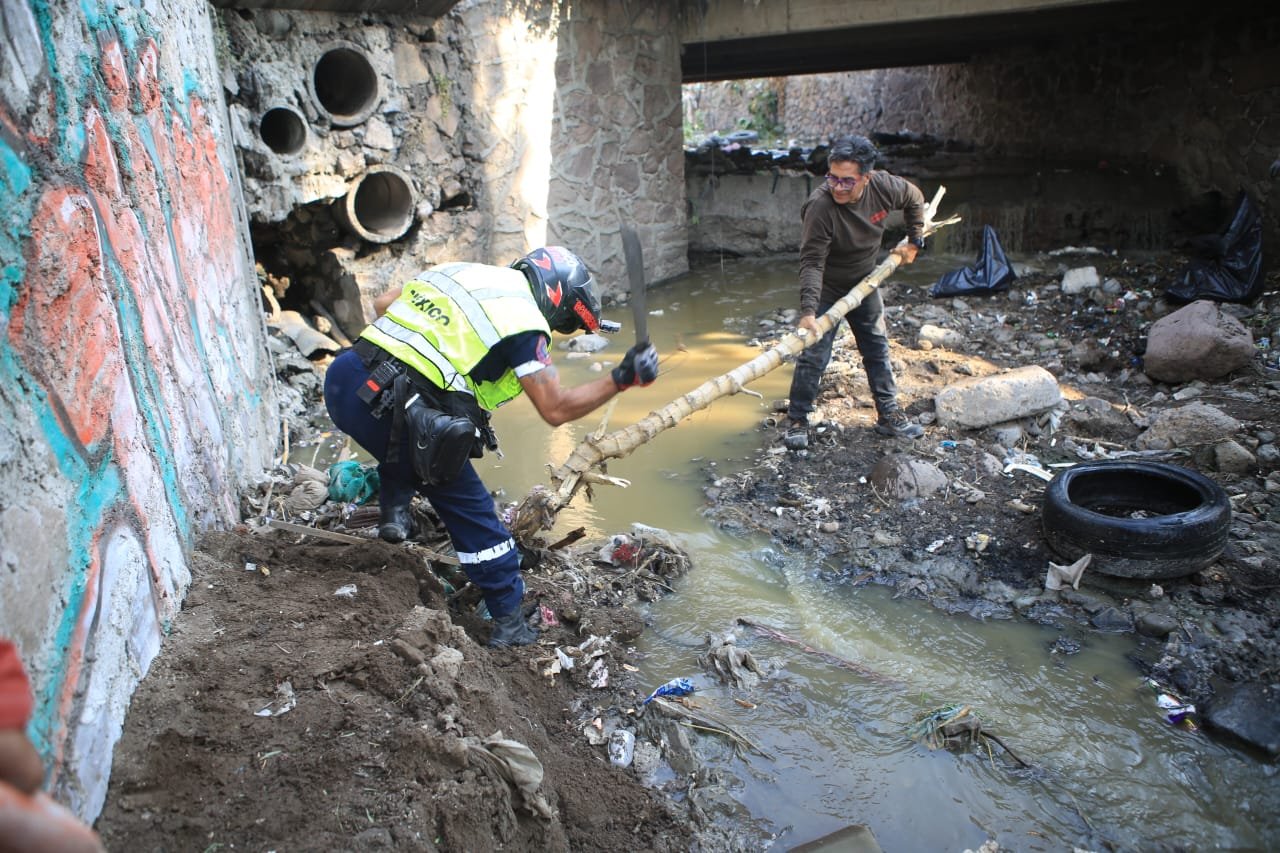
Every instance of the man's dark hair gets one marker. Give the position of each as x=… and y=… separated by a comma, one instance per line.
x=854, y=149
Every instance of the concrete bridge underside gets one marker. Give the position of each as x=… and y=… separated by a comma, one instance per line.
x=732, y=39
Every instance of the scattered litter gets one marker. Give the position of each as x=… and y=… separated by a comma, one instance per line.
x=954, y=727
x=937, y=545
x=284, y=702
x=599, y=674
x=731, y=664
x=1033, y=470
x=346, y=591
x=674, y=687
x=1059, y=577
x=547, y=615
x=977, y=542
x=517, y=764
x=1176, y=711
x=1021, y=506
x=351, y=482
x=622, y=746
x=620, y=550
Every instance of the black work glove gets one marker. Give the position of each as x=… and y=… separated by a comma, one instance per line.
x=637, y=368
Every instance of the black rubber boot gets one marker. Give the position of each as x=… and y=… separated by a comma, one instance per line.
x=512, y=630
x=396, y=523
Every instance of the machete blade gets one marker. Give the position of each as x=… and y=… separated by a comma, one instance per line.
x=635, y=271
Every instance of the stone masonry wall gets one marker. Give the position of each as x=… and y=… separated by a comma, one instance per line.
x=507, y=125
x=617, y=138
x=136, y=395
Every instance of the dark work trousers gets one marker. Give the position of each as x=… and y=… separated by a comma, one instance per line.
x=867, y=322
x=484, y=545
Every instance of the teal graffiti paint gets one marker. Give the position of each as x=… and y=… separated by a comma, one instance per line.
x=97, y=486
x=91, y=13
x=148, y=395
x=97, y=494
x=15, y=223
x=62, y=101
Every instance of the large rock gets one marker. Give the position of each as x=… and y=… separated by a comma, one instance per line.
x=901, y=478
x=1200, y=341
x=1248, y=711
x=1194, y=423
x=983, y=401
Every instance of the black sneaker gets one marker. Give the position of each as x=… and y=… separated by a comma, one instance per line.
x=897, y=424
x=396, y=524
x=512, y=630
x=796, y=436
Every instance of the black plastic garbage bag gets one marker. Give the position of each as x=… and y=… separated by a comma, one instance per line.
x=992, y=274
x=1231, y=270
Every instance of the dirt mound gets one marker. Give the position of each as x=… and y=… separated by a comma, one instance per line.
x=322, y=697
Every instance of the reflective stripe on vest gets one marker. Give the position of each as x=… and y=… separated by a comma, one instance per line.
x=449, y=317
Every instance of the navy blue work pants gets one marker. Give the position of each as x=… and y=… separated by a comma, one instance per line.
x=867, y=323
x=484, y=545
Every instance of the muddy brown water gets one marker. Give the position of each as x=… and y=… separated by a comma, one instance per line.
x=1107, y=770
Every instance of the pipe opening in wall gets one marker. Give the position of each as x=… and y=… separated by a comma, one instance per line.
x=379, y=206
x=345, y=85
x=283, y=130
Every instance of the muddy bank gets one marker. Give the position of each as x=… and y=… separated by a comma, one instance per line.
x=967, y=537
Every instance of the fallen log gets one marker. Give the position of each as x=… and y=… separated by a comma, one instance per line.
x=539, y=508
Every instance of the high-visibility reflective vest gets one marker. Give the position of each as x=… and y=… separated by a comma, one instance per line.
x=449, y=317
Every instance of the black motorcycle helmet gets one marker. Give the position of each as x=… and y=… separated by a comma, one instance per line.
x=563, y=287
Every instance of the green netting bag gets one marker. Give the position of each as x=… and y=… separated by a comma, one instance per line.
x=351, y=482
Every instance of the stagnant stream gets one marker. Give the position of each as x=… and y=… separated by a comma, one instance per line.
x=1107, y=770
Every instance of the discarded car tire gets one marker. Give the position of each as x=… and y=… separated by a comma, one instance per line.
x=1145, y=520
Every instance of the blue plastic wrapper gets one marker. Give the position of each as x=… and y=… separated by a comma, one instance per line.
x=674, y=687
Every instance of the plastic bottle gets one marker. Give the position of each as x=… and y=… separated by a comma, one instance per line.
x=622, y=747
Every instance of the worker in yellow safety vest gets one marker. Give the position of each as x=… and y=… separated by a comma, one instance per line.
x=415, y=391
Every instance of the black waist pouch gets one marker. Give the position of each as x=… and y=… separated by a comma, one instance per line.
x=442, y=443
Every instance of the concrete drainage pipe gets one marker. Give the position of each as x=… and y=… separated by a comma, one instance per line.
x=283, y=130
x=344, y=85
x=379, y=206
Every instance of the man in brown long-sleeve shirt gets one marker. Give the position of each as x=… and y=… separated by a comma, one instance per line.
x=843, y=222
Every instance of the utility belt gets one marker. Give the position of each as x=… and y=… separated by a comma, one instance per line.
x=445, y=428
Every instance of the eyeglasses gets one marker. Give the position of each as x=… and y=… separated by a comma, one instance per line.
x=843, y=183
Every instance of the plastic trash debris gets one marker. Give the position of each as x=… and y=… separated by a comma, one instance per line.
x=346, y=591
x=977, y=542
x=1176, y=711
x=599, y=674
x=284, y=702
x=1060, y=576
x=1030, y=469
x=620, y=550
x=1230, y=266
x=991, y=274
x=351, y=482
x=674, y=687
x=622, y=747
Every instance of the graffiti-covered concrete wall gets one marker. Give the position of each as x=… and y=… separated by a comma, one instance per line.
x=134, y=388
